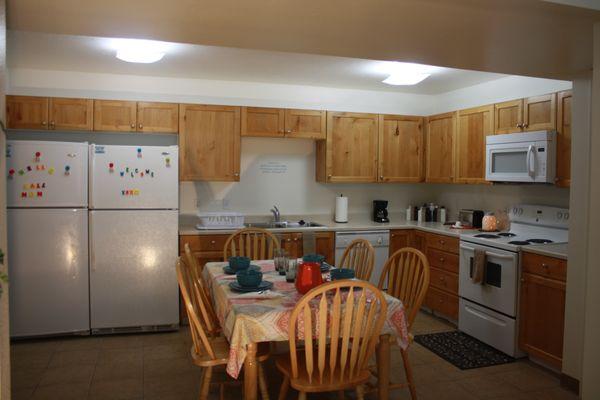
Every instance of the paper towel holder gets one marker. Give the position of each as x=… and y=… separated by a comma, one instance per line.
x=341, y=209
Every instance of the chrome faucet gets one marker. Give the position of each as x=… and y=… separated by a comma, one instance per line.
x=276, y=214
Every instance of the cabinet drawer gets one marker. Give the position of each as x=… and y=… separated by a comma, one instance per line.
x=548, y=267
x=443, y=242
x=444, y=280
x=442, y=303
x=203, y=243
x=443, y=260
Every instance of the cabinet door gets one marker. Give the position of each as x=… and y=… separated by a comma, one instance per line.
x=27, y=112
x=115, y=115
x=157, y=117
x=209, y=143
x=292, y=243
x=473, y=126
x=325, y=245
x=266, y=122
x=71, y=114
x=563, y=140
x=441, y=132
x=351, y=147
x=400, y=148
x=539, y=112
x=399, y=239
x=508, y=116
x=306, y=124
x=418, y=240
x=542, y=307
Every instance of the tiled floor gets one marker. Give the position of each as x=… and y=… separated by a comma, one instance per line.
x=157, y=366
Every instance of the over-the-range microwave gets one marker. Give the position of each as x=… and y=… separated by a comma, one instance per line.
x=521, y=157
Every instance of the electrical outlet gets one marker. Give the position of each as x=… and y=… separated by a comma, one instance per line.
x=225, y=203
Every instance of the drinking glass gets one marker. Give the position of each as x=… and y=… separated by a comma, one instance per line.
x=280, y=260
x=290, y=271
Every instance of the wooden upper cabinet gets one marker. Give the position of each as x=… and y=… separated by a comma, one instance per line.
x=563, y=139
x=157, y=117
x=26, y=112
x=400, y=148
x=441, y=132
x=473, y=126
x=265, y=122
x=71, y=114
x=539, y=113
x=508, y=116
x=306, y=124
x=115, y=115
x=209, y=143
x=350, y=152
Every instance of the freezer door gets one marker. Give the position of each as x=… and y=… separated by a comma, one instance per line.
x=133, y=177
x=48, y=271
x=133, y=281
x=47, y=174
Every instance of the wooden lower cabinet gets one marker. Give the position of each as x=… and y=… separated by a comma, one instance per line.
x=542, y=308
x=292, y=243
x=325, y=245
x=399, y=238
x=442, y=303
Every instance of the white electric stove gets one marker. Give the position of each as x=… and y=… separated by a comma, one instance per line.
x=488, y=310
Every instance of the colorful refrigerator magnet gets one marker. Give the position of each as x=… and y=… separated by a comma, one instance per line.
x=139, y=152
x=67, y=170
x=50, y=171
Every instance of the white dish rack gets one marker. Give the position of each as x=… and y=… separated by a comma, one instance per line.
x=220, y=220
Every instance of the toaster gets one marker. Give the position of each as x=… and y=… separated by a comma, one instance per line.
x=471, y=217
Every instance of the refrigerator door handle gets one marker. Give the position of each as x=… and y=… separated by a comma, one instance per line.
x=91, y=243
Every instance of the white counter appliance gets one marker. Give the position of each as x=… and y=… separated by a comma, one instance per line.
x=133, y=225
x=488, y=311
x=521, y=157
x=379, y=239
x=47, y=200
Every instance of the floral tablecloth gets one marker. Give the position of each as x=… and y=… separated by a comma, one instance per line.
x=258, y=318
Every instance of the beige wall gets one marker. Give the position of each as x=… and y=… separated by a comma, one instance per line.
x=591, y=342
x=4, y=335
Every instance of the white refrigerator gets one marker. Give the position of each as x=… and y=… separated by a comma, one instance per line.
x=133, y=233
x=48, y=237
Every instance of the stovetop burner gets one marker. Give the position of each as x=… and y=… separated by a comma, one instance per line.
x=507, y=234
x=487, y=236
x=519, y=242
x=539, y=241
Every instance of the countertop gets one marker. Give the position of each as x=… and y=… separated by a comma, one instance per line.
x=361, y=222
x=559, y=250
x=358, y=222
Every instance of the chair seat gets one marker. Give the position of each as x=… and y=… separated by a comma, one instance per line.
x=221, y=348
x=328, y=384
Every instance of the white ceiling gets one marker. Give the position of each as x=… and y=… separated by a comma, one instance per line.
x=93, y=54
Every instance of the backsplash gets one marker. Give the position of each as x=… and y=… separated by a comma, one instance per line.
x=282, y=172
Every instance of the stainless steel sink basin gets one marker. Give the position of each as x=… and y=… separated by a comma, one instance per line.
x=283, y=225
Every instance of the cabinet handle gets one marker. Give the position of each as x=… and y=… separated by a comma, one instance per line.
x=43, y=123
x=525, y=126
x=140, y=126
x=393, y=235
x=442, y=242
x=442, y=259
x=213, y=242
x=236, y=174
x=52, y=124
x=381, y=177
x=545, y=266
x=523, y=280
x=329, y=176
x=295, y=239
x=288, y=131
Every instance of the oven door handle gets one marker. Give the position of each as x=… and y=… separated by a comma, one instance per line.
x=489, y=253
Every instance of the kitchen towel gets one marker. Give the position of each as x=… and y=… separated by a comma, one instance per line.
x=341, y=209
x=479, y=262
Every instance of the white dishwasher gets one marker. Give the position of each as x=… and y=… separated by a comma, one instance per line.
x=379, y=239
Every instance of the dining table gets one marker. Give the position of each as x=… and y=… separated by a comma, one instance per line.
x=251, y=318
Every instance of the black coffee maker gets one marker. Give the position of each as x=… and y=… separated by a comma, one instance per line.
x=380, y=212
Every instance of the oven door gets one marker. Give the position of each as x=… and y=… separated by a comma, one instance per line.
x=498, y=291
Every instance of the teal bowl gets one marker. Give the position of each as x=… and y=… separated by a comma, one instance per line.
x=249, y=277
x=238, y=263
x=342, y=273
x=318, y=258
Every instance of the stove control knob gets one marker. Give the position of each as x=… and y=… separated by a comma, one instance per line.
x=566, y=216
x=559, y=215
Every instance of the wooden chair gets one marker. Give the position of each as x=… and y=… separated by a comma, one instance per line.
x=359, y=256
x=335, y=357
x=208, y=314
x=209, y=352
x=407, y=275
x=256, y=243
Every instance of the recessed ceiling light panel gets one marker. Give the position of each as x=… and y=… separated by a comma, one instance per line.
x=406, y=73
x=139, y=51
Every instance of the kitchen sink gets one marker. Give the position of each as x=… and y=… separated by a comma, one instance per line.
x=283, y=225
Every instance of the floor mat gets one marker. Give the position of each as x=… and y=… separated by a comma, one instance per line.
x=462, y=350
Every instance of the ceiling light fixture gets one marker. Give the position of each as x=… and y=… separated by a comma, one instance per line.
x=139, y=51
x=407, y=73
